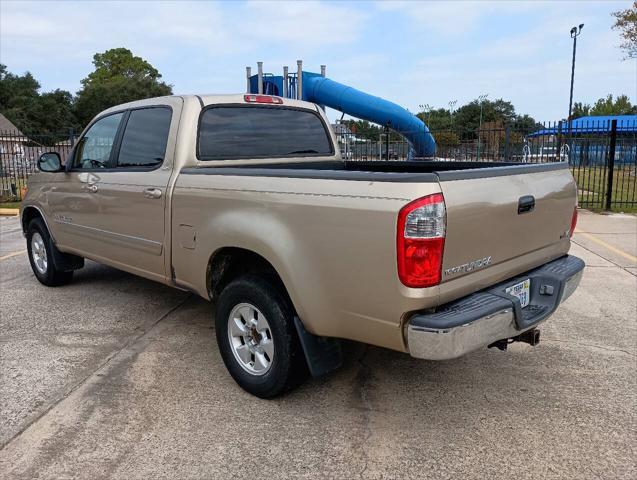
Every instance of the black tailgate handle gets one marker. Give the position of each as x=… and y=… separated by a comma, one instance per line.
x=526, y=204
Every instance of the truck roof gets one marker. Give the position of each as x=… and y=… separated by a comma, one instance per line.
x=210, y=99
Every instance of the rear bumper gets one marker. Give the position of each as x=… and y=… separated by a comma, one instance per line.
x=484, y=317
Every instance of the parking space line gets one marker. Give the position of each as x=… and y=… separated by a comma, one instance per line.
x=13, y=254
x=607, y=245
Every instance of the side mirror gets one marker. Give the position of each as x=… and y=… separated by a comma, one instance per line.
x=50, y=162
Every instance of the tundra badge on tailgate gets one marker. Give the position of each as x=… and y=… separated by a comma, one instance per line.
x=467, y=267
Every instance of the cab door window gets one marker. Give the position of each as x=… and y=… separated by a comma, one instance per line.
x=145, y=137
x=96, y=146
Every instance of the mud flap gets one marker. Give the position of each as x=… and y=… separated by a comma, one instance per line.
x=323, y=354
x=65, y=261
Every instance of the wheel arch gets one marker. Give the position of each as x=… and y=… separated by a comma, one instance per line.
x=31, y=212
x=227, y=263
x=62, y=261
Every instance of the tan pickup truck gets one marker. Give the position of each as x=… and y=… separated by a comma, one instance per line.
x=245, y=200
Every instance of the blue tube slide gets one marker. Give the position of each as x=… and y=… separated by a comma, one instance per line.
x=321, y=90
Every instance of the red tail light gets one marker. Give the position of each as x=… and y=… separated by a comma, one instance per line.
x=262, y=99
x=420, y=241
x=573, y=222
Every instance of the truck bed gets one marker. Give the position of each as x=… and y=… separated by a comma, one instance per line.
x=383, y=171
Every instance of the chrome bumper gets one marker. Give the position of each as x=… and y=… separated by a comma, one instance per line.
x=485, y=317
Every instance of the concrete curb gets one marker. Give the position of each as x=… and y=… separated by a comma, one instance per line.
x=13, y=212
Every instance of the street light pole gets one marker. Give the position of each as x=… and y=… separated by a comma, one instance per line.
x=481, y=99
x=575, y=31
x=426, y=110
x=452, y=105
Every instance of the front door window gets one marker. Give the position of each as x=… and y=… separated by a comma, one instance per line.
x=95, y=147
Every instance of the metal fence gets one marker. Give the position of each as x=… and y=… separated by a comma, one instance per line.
x=19, y=155
x=602, y=155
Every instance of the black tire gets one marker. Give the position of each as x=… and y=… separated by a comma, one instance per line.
x=50, y=276
x=288, y=367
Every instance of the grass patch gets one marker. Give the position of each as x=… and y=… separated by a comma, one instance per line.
x=9, y=204
x=592, y=183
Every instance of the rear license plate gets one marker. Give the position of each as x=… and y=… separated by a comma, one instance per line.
x=521, y=290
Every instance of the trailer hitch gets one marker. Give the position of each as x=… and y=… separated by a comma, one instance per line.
x=532, y=337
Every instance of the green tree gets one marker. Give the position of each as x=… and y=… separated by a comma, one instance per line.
x=497, y=114
x=18, y=95
x=48, y=113
x=626, y=23
x=467, y=117
x=609, y=106
x=16, y=88
x=580, y=110
x=437, y=119
x=525, y=124
x=55, y=113
x=363, y=129
x=119, y=77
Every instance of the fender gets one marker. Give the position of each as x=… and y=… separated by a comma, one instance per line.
x=246, y=227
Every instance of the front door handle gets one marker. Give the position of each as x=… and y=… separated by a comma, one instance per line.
x=152, y=193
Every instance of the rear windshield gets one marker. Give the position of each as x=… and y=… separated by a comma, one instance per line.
x=261, y=132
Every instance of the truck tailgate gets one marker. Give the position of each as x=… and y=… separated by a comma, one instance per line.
x=498, y=214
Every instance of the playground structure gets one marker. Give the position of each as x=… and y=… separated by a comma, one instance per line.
x=317, y=88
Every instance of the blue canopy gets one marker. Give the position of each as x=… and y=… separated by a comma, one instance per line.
x=592, y=124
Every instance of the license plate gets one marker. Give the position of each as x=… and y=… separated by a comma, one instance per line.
x=521, y=290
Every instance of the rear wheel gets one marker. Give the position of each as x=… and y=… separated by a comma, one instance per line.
x=257, y=337
x=40, y=249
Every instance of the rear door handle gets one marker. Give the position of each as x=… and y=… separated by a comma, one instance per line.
x=152, y=193
x=526, y=204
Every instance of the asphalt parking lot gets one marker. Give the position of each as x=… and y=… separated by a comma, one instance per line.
x=116, y=376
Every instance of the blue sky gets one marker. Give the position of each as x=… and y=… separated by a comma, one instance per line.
x=410, y=52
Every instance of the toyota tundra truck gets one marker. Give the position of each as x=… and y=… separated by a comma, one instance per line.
x=245, y=201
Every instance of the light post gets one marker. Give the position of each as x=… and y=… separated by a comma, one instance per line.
x=426, y=110
x=575, y=31
x=452, y=105
x=481, y=99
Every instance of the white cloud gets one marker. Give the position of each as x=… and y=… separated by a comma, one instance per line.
x=531, y=66
x=220, y=29
x=455, y=17
x=51, y=39
x=516, y=50
x=308, y=24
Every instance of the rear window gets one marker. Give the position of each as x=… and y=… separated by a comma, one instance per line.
x=261, y=132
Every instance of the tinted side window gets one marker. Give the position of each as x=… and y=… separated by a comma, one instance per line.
x=94, y=148
x=253, y=132
x=145, y=138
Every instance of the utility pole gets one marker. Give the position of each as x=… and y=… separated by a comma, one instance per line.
x=575, y=31
x=481, y=99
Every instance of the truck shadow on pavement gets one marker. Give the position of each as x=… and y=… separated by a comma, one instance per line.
x=165, y=400
x=377, y=379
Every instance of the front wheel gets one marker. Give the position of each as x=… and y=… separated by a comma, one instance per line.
x=257, y=338
x=40, y=249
